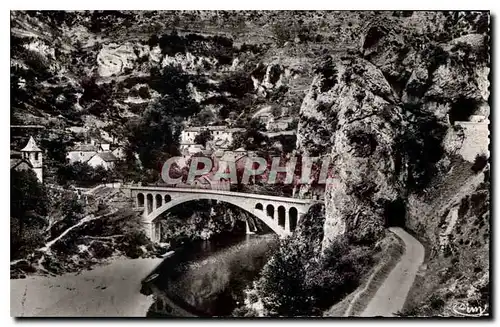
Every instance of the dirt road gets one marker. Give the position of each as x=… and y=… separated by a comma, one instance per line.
x=391, y=295
x=111, y=290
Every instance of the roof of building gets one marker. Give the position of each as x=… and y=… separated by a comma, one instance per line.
x=107, y=156
x=284, y=120
x=16, y=162
x=214, y=128
x=85, y=148
x=85, y=156
x=31, y=146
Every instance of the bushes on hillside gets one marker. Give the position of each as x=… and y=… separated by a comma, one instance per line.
x=302, y=280
x=421, y=145
x=100, y=250
x=132, y=244
x=298, y=283
x=28, y=206
x=238, y=84
x=83, y=174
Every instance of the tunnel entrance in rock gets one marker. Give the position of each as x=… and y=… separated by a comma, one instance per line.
x=462, y=109
x=395, y=213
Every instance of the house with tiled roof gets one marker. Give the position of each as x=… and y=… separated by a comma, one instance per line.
x=95, y=154
x=105, y=159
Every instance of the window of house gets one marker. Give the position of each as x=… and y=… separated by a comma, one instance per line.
x=36, y=155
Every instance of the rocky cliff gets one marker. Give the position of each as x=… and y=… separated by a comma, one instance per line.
x=404, y=117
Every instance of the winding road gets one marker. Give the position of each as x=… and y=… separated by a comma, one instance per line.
x=391, y=295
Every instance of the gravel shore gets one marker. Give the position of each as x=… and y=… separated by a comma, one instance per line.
x=111, y=290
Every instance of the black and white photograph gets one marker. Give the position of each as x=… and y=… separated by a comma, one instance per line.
x=250, y=164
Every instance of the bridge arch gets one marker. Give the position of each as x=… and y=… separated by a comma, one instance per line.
x=158, y=199
x=246, y=206
x=149, y=203
x=270, y=211
x=168, y=198
x=259, y=206
x=281, y=216
x=140, y=200
x=293, y=216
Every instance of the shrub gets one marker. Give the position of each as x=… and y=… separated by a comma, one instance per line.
x=480, y=162
x=299, y=281
x=281, y=33
x=237, y=84
x=100, y=251
x=132, y=243
x=244, y=312
x=421, y=145
x=203, y=137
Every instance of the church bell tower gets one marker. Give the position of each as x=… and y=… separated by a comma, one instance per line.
x=33, y=154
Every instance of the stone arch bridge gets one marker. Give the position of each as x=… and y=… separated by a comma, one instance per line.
x=281, y=214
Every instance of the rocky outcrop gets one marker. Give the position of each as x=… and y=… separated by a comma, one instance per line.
x=359, y=106
x=349, y=114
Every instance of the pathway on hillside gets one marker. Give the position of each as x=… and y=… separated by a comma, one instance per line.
x=391, y=295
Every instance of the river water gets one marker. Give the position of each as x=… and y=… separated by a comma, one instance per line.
x=208, y=278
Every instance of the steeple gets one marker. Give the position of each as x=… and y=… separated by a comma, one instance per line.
x=33, y=154
x=31, y=146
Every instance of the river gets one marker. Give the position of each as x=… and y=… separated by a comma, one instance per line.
x=208, y=278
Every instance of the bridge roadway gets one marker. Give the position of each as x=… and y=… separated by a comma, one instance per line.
x=281, y=214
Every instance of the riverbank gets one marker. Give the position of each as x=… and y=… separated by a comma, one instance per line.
x=111, y=290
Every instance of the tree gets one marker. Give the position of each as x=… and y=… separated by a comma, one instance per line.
x=155, y=135
x=71, y=209
x=281, y=284
x=203, y=137
x=252, y=139
x=276, y=111
x=27, y=194
x=238, y=84
x=281, y=33
x=28, y=206
x=83, y=173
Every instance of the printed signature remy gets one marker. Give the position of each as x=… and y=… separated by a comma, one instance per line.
x=468, y=310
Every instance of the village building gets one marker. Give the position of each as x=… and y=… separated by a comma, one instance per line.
x=95, y=154
x=265, y=117
x=222, y=136
x=119, y=152
x=105, y=159
x=280, y=124
x=82, y=153
x=30, y=157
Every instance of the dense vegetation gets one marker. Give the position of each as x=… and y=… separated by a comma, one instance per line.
x=28, y=208
x=302, y=280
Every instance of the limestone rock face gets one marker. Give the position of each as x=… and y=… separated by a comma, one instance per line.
x=405, y=88
x=349, y=113
x=113, y=59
